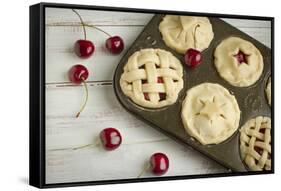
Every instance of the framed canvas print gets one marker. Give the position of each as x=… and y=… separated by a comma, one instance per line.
x=127, y=95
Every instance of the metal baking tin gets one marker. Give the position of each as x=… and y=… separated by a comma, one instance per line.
x=252, y=100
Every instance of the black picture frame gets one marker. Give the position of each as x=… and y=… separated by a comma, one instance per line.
x=37, y=95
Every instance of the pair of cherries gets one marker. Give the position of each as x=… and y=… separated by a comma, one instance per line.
x=111, y=139
x=84, y=48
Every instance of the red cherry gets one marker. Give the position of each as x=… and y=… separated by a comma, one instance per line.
x=192, y=58
x=159, y=163
x=84, y=48
x=241, y=57
x=114, y=44
x=110, y=138
x=78, y=73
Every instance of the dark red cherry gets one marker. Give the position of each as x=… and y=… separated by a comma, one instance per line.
x=84, y=48
x=241, y=57
x=192, y=57
x=159, y=163
x=78, y=73
x=114, y=44
x=110, y=138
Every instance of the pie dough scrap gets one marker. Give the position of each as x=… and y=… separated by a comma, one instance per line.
x=229, y=68
x=255, y=143
x=152, y=78
x=210, y=113
x=184, y=32
x=268, y=91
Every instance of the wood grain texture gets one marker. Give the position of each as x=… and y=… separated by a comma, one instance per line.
x=63, y=100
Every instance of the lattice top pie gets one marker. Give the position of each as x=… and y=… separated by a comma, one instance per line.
x=183, y=32
x=152, y=78
x=238, y=61
x=255, y=143
x=210, y=113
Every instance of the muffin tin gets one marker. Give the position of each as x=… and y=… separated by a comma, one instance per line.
x=252, y=100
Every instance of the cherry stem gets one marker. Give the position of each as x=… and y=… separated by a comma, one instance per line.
x=85, y=25
x=86, y=99
x=147, y=166
x=195, y=41
x=93, y=26
x=78, y=148
x=82, y=22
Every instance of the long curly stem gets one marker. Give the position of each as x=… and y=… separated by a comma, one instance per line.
x=82, y=23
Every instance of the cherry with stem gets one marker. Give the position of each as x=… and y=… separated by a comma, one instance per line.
x=78, y=74
x=158, y=164
x=193, y=57
x=83, y=48
x=110, y=139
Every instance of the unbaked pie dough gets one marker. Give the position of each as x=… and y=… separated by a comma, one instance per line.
x=238, y=73
x=152, y=78
x=210, y=113
x=268, y=91
x=255, y=143
x=183, y=32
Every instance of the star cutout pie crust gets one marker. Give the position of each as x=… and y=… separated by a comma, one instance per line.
x=210, y=113
x=242, y=69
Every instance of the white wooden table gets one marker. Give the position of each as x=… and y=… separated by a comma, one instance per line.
x=63, y=100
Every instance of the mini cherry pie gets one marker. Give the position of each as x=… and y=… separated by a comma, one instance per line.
x=184, y=32
x=238, y=61
x=255, y=143
x=210, y=113
x=152, y=78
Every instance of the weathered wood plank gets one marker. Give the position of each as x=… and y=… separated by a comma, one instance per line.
x=60, y=56
x=54, y=16
x=125, y=162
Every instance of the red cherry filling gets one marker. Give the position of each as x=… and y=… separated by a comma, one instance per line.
x=161, y=95
x=110, y=138
x=159, y=163
x=241, y=57
x=262, y=131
